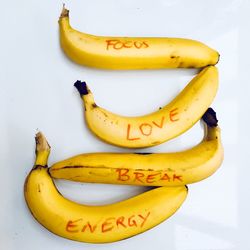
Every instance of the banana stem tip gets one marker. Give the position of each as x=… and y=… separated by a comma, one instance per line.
x=210, y=118
x=81, y=87
x=41, y=143
x=65, y=12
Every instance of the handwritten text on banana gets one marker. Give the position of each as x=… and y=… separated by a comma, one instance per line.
x=118, y=44
x=124, y=174
x=82, y=225
x=146, y=129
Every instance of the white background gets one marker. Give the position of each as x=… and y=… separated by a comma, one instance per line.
x=37, y=93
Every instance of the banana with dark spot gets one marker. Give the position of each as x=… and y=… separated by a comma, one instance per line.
x=133, y=52
x=95, y=224
x=156, y=169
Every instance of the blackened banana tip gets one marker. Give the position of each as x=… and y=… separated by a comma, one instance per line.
x=81, y=87
x=210, y=118
x=65, y=12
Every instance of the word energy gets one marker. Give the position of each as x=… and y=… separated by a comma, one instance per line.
x=107, y=225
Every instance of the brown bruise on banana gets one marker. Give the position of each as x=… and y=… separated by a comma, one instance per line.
x=94, y=105
x=155, y=143
x=39, y=188
x=35, y=168
x=174, y=57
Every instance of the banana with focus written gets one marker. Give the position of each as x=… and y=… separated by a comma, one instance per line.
x=158, y=169
x=133, y=52
x=157, y=127
x=96, y=224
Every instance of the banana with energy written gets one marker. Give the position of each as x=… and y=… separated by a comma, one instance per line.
x=157, y=127
x=157, y=169
x=133, y=52
x=95, y=224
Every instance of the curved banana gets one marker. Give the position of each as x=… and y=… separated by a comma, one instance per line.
x=132, y=52
x=96, y=224
x=155, y=128
x=161, y=169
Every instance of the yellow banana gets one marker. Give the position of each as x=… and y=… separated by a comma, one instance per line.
x=155, y=128
x=133, y=52
x=96, y=224
x=161, y=169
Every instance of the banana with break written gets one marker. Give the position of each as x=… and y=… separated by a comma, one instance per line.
x=95, y=224
x=157, y=169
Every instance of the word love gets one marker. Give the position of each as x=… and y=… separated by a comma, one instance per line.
x=107, y=225
x=146, y=129
x=124, y=174
x=118, y=44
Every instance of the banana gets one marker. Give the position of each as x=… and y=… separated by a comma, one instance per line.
x=95, y=224
x=132, y=52
x=158, y=169
x=155, y=128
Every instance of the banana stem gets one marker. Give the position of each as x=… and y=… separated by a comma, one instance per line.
x=42, y=150
x=212, y=130
x=81, y=87
x=210, y=118
x=64, y=13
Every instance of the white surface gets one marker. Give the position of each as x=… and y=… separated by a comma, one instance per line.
x=37, y=93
